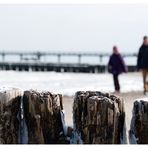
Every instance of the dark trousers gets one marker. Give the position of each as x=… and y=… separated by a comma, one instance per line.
x=116, y=82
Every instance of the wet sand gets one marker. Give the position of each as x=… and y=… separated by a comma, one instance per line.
x=128, y=98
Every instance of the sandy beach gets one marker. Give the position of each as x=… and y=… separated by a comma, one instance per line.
x=128, y=97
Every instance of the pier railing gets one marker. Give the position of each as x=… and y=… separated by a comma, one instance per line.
x=79, y=55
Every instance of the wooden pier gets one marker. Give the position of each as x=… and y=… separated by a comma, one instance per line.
x=31, y=61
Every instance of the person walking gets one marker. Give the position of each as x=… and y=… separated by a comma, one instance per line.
x=116, y=66
x=142, y=62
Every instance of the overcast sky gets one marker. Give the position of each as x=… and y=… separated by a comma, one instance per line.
x=73, y=27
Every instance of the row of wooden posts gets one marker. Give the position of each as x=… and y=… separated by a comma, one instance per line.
x=33, y=117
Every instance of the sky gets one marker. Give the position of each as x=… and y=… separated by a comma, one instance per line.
x=73, y=27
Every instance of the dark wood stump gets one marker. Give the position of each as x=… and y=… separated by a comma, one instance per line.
x=9, y=107
x=43, y=117
x=98, y=117
x=139, y=123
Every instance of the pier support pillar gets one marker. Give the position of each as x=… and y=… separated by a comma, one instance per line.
x=3, y=57
x=79, y=59
x=101, y=59
x=59, y=58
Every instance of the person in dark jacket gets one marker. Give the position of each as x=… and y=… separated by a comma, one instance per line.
x=142, y=61
x=116, y=66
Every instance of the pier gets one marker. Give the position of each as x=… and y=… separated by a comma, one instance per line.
x=31, y=61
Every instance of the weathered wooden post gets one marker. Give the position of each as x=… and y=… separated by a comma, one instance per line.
x=99, y=118
x=9, y=108
x=139, y=124
x=43, y=115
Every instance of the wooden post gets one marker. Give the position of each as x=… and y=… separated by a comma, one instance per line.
x=139, y=123
x=43, y=117
x=99, y=118
x=9, y=107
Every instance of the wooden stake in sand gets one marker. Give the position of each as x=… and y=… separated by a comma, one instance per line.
x=139, y=123
x=99, y=118
x=43, y=117
x=9, y=107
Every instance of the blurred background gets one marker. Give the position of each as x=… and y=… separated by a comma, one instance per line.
x=76, y=39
